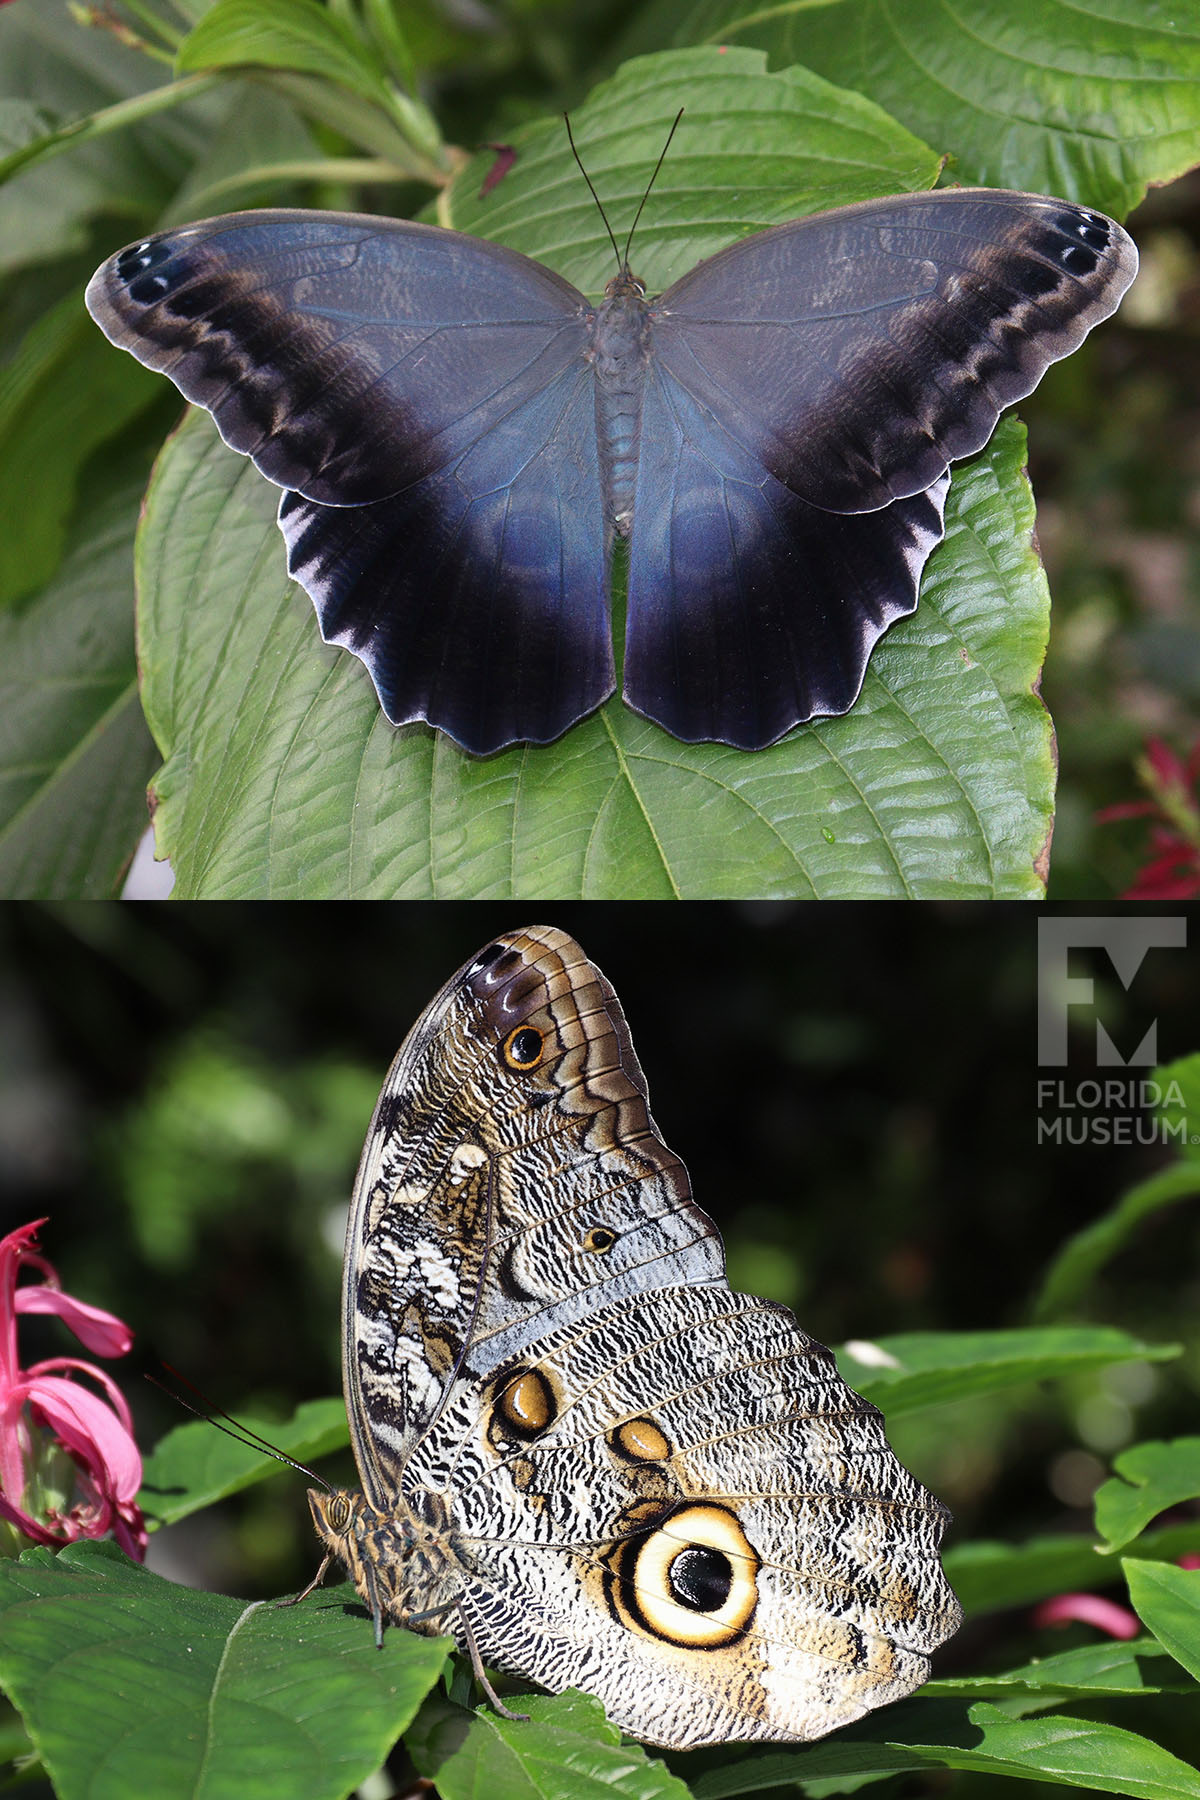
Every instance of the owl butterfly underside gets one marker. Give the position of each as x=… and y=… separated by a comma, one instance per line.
x=581, y=1453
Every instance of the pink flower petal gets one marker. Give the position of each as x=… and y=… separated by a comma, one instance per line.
x=1087, y=1609
x=100, y=1332
x=91, y=1430
x=116, y=1398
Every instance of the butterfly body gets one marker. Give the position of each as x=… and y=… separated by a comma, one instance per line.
x=459, y=433
x=580, y=1451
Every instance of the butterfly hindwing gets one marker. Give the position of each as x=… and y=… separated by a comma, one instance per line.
x=478, y=598
x=750, y=610
x=600, y=1466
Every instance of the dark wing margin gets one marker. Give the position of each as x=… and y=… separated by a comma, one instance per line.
x=858, y=352
x=424, y=399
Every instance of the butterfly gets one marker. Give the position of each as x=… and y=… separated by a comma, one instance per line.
x=580, y=1452
x=460, y=434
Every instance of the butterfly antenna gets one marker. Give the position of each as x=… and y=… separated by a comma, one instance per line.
x=241, y=1434
x=595, y=196
x=658, y=165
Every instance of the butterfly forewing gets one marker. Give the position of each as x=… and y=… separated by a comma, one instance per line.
x=859, y=352
x=494, y=1193
x=615, y=1473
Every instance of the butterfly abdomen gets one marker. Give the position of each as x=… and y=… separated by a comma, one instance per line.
x=619, y=351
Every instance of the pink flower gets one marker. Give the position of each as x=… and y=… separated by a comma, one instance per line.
x=69, y=1467
x=1172, y=872
x=1088, y=1609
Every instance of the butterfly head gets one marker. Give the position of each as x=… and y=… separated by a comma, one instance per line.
x=625, y=285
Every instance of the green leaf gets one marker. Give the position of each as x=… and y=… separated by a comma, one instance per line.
x=75, y=73
x=919, y=1369
x=987, y=1575
x=131, y=1685
x=297, y=35
x=282, y=778
x=566, y=1751
x=1091, y=101
x=1148, y=1478
x=1093, y=1669
x=195, y=1465
x=1068, y=1752
x=75, y=755
x=1074, y=1266
x=1168, y=1601
x=1179, y=1109
x=61, y=396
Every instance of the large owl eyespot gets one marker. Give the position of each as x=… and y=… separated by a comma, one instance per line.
x=692, y=1581
x=523, y=1048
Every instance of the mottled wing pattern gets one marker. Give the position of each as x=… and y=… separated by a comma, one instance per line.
x=512, y=1179
x=809, y=388
x=425, y=399
x=604, y=1468
x=679, y=1506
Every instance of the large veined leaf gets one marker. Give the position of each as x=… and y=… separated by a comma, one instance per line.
x=131, y=1686
x=1090, y=99
x=281, y=777
x=931, y=1368
x=1099, y=1758
x=567, y=1751
x=987, y=1575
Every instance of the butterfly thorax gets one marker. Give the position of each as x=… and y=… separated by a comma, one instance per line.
x=409, y=1570
x=619, y=351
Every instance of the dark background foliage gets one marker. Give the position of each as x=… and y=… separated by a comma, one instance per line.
x=855, y=1093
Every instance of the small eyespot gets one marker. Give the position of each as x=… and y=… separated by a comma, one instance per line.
x=1078, y=260
x=524, y=1407
x=1095, y=232
x=599, y=1239
x=523, y=1048
x=640, y=1441
x=148, y=288
x=141, y=257
x=486, y=958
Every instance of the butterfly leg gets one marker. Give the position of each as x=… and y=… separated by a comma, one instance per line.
x=318, y=1578
x=481, y=1674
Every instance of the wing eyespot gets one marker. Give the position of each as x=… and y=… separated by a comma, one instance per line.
x=691, y=1581
x=523, y=1049
x=525, y=1405
x=599, y=1239
x=640, y=1441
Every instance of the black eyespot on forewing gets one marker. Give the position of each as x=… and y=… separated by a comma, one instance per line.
x=135, y=261
x=1077, y=259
